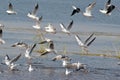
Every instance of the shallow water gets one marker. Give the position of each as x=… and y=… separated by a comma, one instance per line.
x=19, y=27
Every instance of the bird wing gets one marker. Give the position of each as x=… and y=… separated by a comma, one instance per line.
x=110, y=9
x=10, y=7
x=70, y=25
x=44, y=53
x=38, y=21
x=36, y=8
x=7, y=57
x=90, y=7
x=42, y=42
x=91, y=41
x=62, y=26
x=88, y=38
x=79, y=40
x=32, y=48
x=107, y=4
x=15, y=59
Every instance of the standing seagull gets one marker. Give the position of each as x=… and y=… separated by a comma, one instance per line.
x=10, y=62
x=75, y=10
x=10, y=10
x=37, y=26
x=66, y=30
x=30, y=68
x=32, y=15
x=88, y=9
x=86, y=43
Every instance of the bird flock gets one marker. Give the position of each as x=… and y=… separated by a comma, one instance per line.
x=66, y=60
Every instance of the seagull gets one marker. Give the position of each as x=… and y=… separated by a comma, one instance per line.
x=50, y=29
x=30, y=69
x=37, y=26
x=60, y=57
x=29, y=51
x=50, y=49
x=10, y=10
x=10, y=62
x=32, y=15
x=77, y=66
x=88, y=9
x=107, y=8
x=66, y=30
x=20, y=44
x=107, y=4
x=67, y=72
x=86, y=43
x=75, y=10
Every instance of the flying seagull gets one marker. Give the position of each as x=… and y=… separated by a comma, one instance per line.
x=66, y=30
x=37, y=25
x=61, y=57
x=10, y=10
x=86, y=43
x=50, y=49
x=29, y=51
x=75, y=10
x=10, y=62
x=50, y=29
x=32, y=15
x=107, y=8
x=88, y=10
x=20, y=44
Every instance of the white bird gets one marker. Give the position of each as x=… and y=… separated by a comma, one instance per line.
x=50, y=49
x=67, y=72
x=75, y=10
x=10, y=62
x=86, y=43
x=76, y=66
x=66, y=30
x=10, y=10
x=20, y=44
x=88, y=9
x=50, y=29
x=29, y=51
x=37, y=25
x=32, y=15
x=30, y=69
